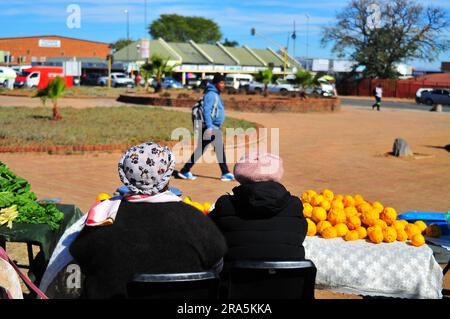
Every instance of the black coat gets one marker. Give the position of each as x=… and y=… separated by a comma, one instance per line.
x=261, y=221
x=145, y=238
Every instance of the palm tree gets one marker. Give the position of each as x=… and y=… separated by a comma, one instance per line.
x=304, y=79
x=147, y=72
x=265, y=77
x=159, y=67
x=53, y=91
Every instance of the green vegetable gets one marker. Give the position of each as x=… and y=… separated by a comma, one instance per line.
x=15, y=190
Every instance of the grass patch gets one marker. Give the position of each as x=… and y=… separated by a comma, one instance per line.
x=23, y=126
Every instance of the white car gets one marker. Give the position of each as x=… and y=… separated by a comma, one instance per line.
x=117, y=79
x=279, y=87
x=7, y=77
x=419, y=94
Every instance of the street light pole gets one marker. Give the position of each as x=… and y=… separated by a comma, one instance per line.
x=128, y=34
x=280, y=47
x=145, y=18
x=307, y=37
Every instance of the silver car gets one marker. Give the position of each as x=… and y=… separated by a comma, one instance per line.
x=436, y=96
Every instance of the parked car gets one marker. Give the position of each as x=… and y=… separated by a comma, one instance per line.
x=7, y=77
x=436, y=96
x=91, y=79
x=279, y=87
x=117, y=80
x=237, y=81
x=419, y=94
x=199, y=82
x=169, y=83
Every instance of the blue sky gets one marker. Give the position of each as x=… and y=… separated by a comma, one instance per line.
x=105, y=20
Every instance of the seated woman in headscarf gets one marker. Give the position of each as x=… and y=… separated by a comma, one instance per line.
x=149, y=231
x=261, y=220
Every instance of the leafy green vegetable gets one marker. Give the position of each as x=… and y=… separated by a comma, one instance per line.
x=15, y=190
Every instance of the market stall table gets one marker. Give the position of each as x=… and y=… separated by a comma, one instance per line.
x=39, y=234
x=359, y=267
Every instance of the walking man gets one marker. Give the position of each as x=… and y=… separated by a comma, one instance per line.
x=378, y=94
x=214, y=116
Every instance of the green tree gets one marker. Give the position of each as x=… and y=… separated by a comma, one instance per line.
x=54, y=91
x=120, y=44
x=264, y=77
x=146, y=72
x=176, y=28
x=380, y=33
x=229, y=43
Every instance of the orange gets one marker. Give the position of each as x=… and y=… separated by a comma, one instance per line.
x=328, y=194
x=411, y=230
x=364, y=207
x=352, y=235
x=389, y=215
x=378, y=206
x=337, y=204
x=318, y=214
x=358, y=199
x=418, y=240
x=316, y=200
x=389, y=234
x=376, y=236
x=325, y=205
x=341, y=229
x=349, y=201
x=362, y=232
x=401, y=235
x=307, y=210
x=101, y=197
x=353, y=222
x=306, y=198
x=381, y=223
x=433, y=231
x=312, y=230
x=370, y=217
x=336, y=216
x=422, y=226
x=339, y=197
x=373, y=228
x=329, y=232
x=350, y=211
x=322, y=225
x=398, y=225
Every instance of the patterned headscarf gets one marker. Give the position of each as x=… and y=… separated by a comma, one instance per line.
x=146, y=168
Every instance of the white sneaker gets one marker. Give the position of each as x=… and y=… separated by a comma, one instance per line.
x=227, y=177
x=188, y=176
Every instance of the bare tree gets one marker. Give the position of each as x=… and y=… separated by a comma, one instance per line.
x=379, y=33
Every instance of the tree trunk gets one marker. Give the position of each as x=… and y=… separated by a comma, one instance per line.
x=56, y=114
x=265, y=90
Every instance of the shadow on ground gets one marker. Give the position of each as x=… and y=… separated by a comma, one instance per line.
x=446, y=147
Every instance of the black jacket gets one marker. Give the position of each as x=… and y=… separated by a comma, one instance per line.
x=145, y=238
x=261, y=221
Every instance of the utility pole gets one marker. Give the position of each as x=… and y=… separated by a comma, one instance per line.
x=280, y=47
x=128, y=34
x=307, y=37
x=145, y=18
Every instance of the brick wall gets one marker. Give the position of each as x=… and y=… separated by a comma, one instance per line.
x=28, y=47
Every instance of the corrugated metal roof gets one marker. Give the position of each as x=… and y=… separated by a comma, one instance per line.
x=217, y=54
x=188, y=53
x=244, y=57
x=269, y=57
x=156, y=47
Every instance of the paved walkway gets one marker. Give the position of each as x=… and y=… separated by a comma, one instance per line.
x=343, y=151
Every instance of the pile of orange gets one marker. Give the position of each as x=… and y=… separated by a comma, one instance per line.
x=354, y=218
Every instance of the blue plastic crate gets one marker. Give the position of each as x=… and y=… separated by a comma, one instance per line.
x=437, y=218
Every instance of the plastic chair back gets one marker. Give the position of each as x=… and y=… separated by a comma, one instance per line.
x=196, y=285
x=271, y=279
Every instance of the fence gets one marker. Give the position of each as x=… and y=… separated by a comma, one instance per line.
x=391, y=88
